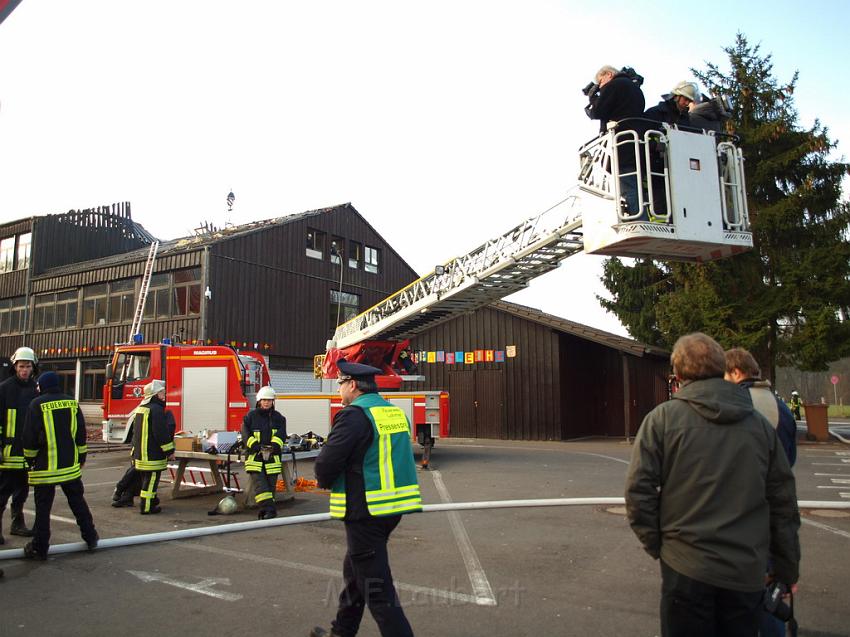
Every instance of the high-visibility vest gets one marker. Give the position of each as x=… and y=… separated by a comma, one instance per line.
x=389, y=471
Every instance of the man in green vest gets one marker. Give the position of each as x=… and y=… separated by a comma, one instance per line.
x=367, y=462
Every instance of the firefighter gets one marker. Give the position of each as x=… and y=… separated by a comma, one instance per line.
x=795, y=404
x=263, y=432
x=153, y=443
x=368, y=463
x=54, y=440
x=16, y=394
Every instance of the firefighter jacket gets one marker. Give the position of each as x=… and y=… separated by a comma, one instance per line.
x=54, y=438
x=378, y=477
x=15, y=397
x=263, y=428
x=153, y=436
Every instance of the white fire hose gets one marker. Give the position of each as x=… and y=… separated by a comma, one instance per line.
x=165, y=536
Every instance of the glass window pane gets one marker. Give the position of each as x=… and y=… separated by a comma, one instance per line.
x=123, y=285
x=114, y=309
x=24, y=246
x=159, y=280
x=95, y=290
x=38, y=318
x=128, y=307
x=71, y=318
x=100, y=311
x=88, y=312
x=162, y=304
x=187, y=276
x=180, y=301
x=49, y=313
x=7, y=254
x=195, y=299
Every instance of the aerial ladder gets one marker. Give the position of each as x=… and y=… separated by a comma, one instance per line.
x=691, y=207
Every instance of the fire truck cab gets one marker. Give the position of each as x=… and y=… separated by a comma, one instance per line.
x=208, y=387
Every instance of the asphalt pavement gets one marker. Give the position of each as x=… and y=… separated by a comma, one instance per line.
x=511, y=572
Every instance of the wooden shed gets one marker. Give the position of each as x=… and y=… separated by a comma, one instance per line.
x=517, y=373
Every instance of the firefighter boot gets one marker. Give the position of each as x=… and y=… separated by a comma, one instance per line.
x=19, y=527
x=124, y=500
x=318, y=631
x=31, y=554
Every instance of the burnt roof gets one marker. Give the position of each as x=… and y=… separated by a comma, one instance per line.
x=621, y=343
x=192, y=242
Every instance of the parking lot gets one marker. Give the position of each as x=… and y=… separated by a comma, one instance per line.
x=529, y=571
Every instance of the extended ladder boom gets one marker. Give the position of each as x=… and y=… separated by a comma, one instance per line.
x=143, y=291
x=494, y=270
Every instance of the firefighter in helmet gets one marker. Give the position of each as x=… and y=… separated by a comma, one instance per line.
x=153, y=442
x=263, y=433
x=795, y=404
x=16, y=393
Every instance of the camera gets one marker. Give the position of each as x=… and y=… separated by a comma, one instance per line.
x=633, y=75
x=774, y=604
x=590, y=89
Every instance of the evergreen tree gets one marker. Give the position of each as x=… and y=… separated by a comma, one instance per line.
x=787, y=300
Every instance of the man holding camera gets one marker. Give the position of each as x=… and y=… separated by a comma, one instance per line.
x=615, y=96
x=710, y=493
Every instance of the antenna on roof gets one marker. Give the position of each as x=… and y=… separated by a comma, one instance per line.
x=231, y=199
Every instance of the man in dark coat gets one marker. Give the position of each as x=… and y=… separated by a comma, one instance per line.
x=54, y=442
x=619, y=97
x=710, y=493
x=263, y=432
x=153, y=443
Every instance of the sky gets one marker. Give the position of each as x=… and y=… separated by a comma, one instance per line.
x=445, y=123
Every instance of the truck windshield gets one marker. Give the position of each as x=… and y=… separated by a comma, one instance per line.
x=131, y=367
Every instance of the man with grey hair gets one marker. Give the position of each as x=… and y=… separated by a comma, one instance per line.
x=709, y=492
x=619, y=97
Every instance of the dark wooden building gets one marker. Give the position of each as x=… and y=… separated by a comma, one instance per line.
x=516, y=373
x=278, y=286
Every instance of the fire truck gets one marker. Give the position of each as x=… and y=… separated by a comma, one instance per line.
x=691, y=207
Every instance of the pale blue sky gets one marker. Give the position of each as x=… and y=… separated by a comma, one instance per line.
x=445, y=123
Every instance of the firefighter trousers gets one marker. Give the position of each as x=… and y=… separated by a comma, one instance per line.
x=13, y=484
x=368, y=581
x=130, y=482
x=43, y=494
x=264, y=484
x=150, y=482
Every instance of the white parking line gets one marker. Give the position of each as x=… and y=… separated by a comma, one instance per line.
x=421, y=591
x=825, y=527
x=477, y=577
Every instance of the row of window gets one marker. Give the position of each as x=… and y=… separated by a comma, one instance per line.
x=355, y=254
x=15, y=252
x=171, y=294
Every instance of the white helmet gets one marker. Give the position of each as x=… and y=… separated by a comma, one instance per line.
x=795, y=393
x=24, y=354
x=227, y=505
x=266, y=393
x=687, y=90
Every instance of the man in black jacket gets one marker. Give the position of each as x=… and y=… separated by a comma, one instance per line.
x=54, y=442
x=16, y=394
x=619, y=97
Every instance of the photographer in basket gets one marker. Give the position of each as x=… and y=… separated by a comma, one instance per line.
x=614, y=96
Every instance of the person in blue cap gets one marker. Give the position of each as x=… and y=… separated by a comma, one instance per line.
x=367, y=462
x=54, y=441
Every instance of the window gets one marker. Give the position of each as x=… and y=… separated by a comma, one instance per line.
x=187, y=292
x=44, y=312
x=122, y=300
x=337, y=249
x=94, y=378
x=355, y=254
x=344, y=307
x=67, y=372
x=373, y=260
x=94, y=304
x=315, y=244
x=7, y=254
x=12, y=315
x=157, y=303
x=24, y=247
x=66, y=309
x=131, y=367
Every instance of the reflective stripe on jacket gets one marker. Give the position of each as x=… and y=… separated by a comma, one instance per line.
x=54, y=438
x=263, y=428
x=153, y=439
x=389, y=471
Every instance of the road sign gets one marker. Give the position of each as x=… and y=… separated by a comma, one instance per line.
x=834, y=380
